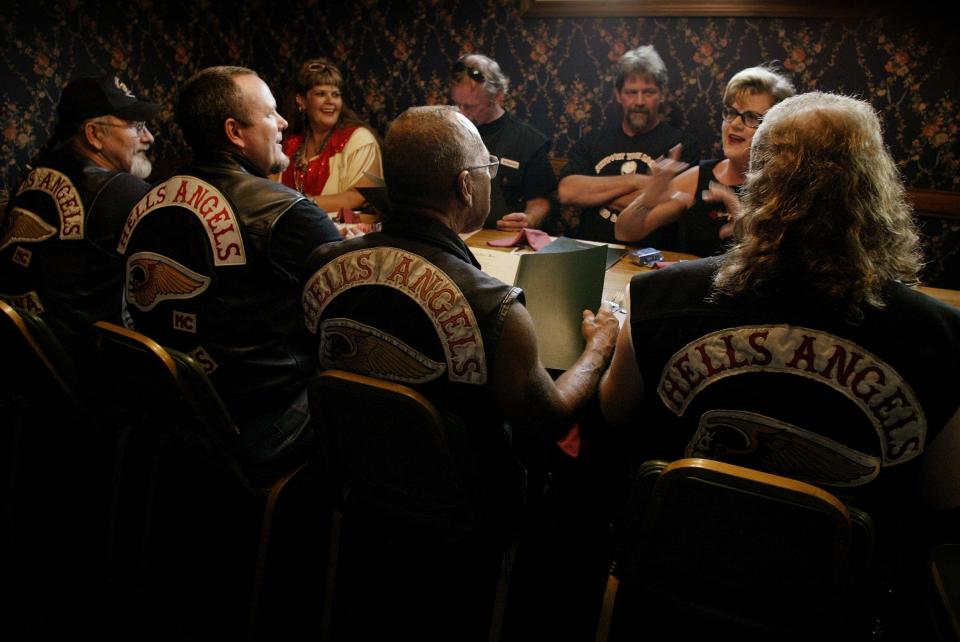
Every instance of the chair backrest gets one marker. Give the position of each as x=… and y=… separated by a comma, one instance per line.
x=35, y=363
x=170, y=387
x=387, y=442
x=724, y=547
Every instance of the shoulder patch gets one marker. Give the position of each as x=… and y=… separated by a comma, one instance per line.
x=757, y=441
x=348, y=345
x=203, y=357
x=69, y=206
x=207, y=203
x=29, y=301
x=424, y=283
x=152, y=278
x=883, y=396
x=26, y=227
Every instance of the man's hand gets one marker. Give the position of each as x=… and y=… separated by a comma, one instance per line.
x=514, y=221
x=662, y=172
x=722, y=193
x=600, y=330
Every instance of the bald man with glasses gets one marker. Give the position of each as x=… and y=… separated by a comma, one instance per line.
x=59, y=234
x=410, y=304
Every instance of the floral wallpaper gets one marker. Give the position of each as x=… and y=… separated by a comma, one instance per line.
x=397, y=53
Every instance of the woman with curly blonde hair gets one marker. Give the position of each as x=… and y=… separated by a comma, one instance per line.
x=835, y=222
x=803, y=351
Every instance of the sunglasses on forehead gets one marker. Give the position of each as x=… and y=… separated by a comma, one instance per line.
x=459, y=67
x=319, y=66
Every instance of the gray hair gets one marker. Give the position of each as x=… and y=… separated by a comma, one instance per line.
x=494, y=80
x=642, y=61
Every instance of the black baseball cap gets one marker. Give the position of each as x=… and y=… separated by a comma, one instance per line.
x=85, y=98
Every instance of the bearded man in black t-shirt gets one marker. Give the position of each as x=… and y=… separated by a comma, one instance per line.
x=608, y=168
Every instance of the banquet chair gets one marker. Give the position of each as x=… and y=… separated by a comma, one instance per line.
x=42, y=409
x=726, y=551
x=407, y=533
x=57, y=461
x=193, y=460
x=944, y=599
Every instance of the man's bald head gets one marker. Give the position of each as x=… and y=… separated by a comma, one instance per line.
x=423, y=152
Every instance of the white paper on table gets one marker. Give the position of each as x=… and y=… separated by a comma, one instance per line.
x=498, y=264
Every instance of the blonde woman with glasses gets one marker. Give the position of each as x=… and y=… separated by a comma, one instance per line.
x=704, y=197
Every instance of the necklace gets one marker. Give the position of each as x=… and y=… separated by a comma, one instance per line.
x=302, y=159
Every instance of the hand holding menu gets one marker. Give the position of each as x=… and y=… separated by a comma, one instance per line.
x=558, y=287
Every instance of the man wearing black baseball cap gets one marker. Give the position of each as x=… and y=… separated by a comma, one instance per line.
x=59, y=236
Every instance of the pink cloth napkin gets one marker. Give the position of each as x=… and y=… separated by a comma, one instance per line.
x=570, y=444
x=534, y=238
x=663, y=264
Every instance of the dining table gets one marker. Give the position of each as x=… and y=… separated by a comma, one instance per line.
x=617, y=277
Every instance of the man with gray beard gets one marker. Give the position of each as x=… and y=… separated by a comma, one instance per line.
x=58, y=237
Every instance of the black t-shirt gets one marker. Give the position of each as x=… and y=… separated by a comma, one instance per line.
x=525, y=171
x=610, y=152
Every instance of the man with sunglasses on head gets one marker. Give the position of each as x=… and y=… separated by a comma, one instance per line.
x=524, y=187
x=58, y=241
x=608, y=168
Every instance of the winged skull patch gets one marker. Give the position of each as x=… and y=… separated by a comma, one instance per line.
x=26, y=227
x=353, y=346
x=152, y=278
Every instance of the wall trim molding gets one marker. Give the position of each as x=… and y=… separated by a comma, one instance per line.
x=713, y=8
x=928, y=202
x=925, y=202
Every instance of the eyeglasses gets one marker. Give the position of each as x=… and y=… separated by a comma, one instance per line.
x=750, y=118
x=139, y=125
x=319, y=66
x=459, y=67
x=492, y=167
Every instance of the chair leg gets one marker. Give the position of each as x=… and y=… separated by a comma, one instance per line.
x=503, y=588
x=16, y=413
x=263, y=546
x=326, y=618
x=113, y=512
x=606, y=610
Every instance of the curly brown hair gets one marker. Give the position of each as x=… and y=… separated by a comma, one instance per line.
x=310, y=74
x=823, y=206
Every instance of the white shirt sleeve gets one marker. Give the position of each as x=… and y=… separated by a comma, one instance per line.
x=361, y=154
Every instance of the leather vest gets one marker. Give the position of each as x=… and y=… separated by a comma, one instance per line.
x=57, y=249
x=785, y=384
x=199, y=278
x=411, y=305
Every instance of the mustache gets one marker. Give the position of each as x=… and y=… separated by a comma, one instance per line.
x=639, y=110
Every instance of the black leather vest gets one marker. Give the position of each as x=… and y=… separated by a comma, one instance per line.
x=785, y=384
x=57, y=249
x=411, y=305
x=199, y=278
